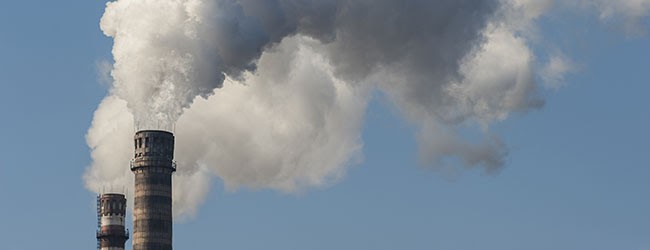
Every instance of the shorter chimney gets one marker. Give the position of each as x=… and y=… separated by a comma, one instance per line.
x=111, y=211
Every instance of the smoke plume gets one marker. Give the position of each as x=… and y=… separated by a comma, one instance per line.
x=272, y=94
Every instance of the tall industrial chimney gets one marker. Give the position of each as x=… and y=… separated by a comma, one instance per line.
x=153, y=166
x=111, y=209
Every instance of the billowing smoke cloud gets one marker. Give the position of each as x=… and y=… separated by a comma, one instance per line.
x=168, y=52
x=289, y=126
x=271, y=94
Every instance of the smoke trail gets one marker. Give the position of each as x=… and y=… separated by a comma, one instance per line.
x=626, y=14
x=271, y=94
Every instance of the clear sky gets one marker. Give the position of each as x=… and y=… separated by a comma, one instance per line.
x=577, y=176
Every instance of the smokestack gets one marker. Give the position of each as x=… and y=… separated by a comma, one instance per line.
x=153, y=167
x=111, y=209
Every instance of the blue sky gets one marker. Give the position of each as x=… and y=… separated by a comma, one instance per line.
x=577, y=176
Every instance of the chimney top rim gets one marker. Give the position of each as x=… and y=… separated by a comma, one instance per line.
x=154, y=131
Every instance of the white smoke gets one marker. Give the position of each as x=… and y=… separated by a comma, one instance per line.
x=168, y=52
x=109, y=141
x=554, y=71
x=271, y=94
x=289, y=126
x=627, y=14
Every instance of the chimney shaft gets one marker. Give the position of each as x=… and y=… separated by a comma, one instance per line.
x=153, y=167
x=111, y=211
